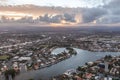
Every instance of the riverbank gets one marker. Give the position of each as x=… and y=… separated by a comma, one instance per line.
x=51, y=59
x=54, y=58
x=73, y=62
x=107, y=68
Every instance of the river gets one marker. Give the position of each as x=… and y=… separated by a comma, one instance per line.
x=80, y=59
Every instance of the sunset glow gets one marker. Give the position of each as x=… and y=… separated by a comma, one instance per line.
x=60, y=13
x=14, y=15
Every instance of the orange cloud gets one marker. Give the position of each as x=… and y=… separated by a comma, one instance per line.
x=36, y=10
x=15, y=15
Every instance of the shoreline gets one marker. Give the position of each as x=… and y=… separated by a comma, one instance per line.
x=89, y=65
x=40, y=73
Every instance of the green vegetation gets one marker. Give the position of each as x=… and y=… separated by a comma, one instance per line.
x=71, y=50
x=4, y=57
x=9, y=72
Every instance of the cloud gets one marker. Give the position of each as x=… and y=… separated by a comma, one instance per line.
x=109, y=19
x=3, y=0
x=107, y=13
x=69, y=17
x=35, y=10
x=25, y=20
x=63, y=3
x=50, y=19
x=91, y=14
x=113, y=7
x=57, y=18
x=113, y=13
x=113, y=4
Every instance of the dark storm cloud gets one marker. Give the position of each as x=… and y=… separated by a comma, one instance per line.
x=108, y=13
x=109, y=19
x=50, y=19
x=69, y=17
x=91, y=14
x=113, y=7
x=113, y=15
x=113, y=4
x=57, y=18
x=25, y=20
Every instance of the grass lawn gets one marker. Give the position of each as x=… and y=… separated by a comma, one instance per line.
x=4, y=57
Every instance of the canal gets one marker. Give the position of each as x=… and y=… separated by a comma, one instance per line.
x=80, y=59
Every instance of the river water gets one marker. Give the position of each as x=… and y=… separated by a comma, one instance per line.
x=80, y=59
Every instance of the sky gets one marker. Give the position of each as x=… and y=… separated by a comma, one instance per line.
x=60, y=12
x=63, y=3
